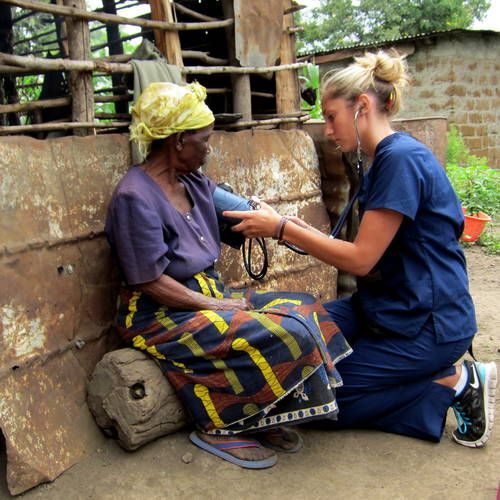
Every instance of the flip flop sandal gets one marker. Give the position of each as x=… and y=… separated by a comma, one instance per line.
x=218, y=449
x=282, y=432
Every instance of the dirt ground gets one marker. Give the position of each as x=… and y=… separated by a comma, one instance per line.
x=346, y=464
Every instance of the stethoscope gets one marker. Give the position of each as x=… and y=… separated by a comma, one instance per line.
x=348, y=208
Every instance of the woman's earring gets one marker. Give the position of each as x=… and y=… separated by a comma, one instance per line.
x=178, y=146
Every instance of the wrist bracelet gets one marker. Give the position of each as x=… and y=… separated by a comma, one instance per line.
x=278, y=232
x=282, y=229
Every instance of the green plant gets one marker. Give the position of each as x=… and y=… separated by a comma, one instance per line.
x=476, y=184
x=310, y=81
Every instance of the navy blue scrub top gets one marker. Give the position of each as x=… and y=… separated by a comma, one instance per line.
x=422, y=274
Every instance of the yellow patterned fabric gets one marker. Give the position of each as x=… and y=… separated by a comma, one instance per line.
x=164, y=109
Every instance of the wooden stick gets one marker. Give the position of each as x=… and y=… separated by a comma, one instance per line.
x=35, y=37
x=122, y=39
x=30, y=106
x=113, y=98
x=28, y=63
x=168, y=42
x=79, y=83
x=116, y=116
x=246, y=70
x=110, y=18
x=287, y=82
x=38, y=63
x=272, y=121
x=60, y=126
x=294, y=8
x=195, y=15
x=203, y=56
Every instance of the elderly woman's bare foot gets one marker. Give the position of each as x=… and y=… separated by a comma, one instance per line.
x=282, y=439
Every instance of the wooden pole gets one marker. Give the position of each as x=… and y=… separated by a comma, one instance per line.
x=78, y=13
x=115, y=47
x=10, y=63
x=242, y=97
x=45, y=127
x=8, y=91
x=80, y=83
x=195, y=15
x=168, y=42
x=271, y=121
x=287, y=82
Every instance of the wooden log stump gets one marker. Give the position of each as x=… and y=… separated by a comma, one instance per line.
x=132, y=400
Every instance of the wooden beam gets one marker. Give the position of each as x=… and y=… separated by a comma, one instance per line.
x=167, y=42
x=30, y=106
x=287, y=82
x=40, y=64
x=242, y=97
x=10, y=63
x=45, y=127
x=80, y=83
x=272, y=121
x=195, y=15
x=79, y=13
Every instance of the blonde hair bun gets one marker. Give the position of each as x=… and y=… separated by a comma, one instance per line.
x=388, y=67
x=385, y=74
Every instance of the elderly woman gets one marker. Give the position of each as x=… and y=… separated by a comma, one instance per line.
x=241, y=361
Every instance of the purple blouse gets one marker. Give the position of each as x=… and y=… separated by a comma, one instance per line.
x=150, y=237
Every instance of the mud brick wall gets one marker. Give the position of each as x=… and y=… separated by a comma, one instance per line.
x=458, y=77
x=454, y=75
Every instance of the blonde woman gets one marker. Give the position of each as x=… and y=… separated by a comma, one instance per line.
x=412, y=316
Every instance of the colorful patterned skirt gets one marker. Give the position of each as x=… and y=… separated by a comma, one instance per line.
x=241, y=371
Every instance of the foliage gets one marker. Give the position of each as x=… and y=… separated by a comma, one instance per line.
x=311, y=80
x=490, y=241
x=476, y=185
x=337, y=23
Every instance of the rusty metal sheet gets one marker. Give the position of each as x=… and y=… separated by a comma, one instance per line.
x=258, y=28
x=57, y=299
x=281, y=167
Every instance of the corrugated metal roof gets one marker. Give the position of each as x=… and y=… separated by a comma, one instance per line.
x=394, y=40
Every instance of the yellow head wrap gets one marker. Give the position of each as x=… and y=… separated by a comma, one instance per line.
x=164, y=109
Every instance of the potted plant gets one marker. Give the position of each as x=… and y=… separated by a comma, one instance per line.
x=476, y=184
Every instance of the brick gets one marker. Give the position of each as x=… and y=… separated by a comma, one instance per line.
x=474, y=142
x=487, y=92
x=458, y=90
x=472, y=66
x=470, y=105
x=484, y=105
x=425, y=94
x=467, y=130
x=476, y=93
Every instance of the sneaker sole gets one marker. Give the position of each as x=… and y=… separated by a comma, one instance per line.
x=489, y=397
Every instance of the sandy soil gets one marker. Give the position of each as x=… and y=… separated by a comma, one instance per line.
x=347, y=464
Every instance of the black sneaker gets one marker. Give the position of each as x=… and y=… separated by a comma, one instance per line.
x=475, y=407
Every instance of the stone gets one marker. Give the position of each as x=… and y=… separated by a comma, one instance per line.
x=187, y=458
x=132, y=400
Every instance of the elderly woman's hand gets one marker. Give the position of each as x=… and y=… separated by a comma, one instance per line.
x=232, y=305
x=262, y=222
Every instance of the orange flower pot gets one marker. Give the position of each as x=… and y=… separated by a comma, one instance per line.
x=474, y=226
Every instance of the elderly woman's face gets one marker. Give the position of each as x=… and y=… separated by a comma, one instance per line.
x=195, y=147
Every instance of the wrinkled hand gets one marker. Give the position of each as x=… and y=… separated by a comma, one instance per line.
x=262, y=222
x=232, y=305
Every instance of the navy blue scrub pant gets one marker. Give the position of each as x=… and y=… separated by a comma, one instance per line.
x=388, y=380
